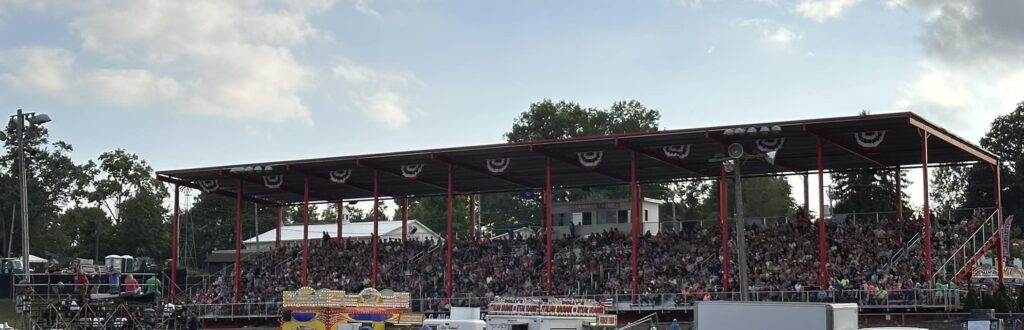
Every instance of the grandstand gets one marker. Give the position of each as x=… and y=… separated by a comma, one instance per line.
x=888, y=262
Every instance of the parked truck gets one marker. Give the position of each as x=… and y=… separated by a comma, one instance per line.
x=727, y=315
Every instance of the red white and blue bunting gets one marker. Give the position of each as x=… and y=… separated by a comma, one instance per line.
x=412, y=171
x=273, y=181
x=870, y=139
x=498, y=166
x=770, y=145
x=590, y=159
x=677, y=151
x=209, y=185
x=340, y=176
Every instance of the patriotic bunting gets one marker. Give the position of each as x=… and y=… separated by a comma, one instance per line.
x=870, y=139
x=412, y=171
x=273, y=181
x=590, y=159
x=769, y=145
x=209, y=185
x=340, y=176
x=497, y=166
x=677, y=152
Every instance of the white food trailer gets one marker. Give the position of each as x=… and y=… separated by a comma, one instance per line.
x=729, y=315
x=547, y=314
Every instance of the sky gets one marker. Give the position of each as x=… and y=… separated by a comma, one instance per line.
x=188, y=83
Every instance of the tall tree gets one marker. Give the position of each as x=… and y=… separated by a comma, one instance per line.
x=972, y=186
x=762, y=197
x=869, y=190
x=123, y=175
x=54, y=181
x=548, y=119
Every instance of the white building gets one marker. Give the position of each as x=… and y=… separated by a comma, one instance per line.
x=592, y=217
x=292, y=234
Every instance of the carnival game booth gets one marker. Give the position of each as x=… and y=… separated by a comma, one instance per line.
x=547, y=314
x=323, y=309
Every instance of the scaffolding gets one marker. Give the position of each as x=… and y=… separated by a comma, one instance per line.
x=68, y=306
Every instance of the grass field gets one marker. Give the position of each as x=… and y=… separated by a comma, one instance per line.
x=8, y=314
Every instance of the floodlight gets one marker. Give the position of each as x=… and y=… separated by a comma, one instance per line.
x=39, y=119
x=735, y=150
x=738, y=131
x=764, y=130
x=727, y=132
x=752, y=131
x=776, y=129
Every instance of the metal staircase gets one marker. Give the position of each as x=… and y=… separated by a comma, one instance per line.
x=649, y=318
x=896, y=257
x=960, y=263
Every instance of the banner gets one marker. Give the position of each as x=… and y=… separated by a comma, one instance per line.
x=1004, y=236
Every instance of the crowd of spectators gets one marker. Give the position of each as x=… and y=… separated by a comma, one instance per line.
x=869, y=256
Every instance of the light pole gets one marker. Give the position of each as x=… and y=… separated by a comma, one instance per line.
x=34, y=119
x=733, y=162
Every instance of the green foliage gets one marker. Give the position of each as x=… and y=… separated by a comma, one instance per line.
x=210, y=223
x=558, y=120
x=869, y=190
x=1019, y=305
x=762, y=197
x=433, y=212
x=1001, y=300
x=972, y=301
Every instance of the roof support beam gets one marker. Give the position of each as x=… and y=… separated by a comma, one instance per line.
x=574, y=162
x=364, y=163
x=283, y=187
x=221, y=192
x=954, y=141
x=480, y=169
x=851, y=149
x=656, y=156
x=725, y=143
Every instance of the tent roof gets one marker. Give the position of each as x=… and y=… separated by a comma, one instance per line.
x=349, y=230
x=901, y=146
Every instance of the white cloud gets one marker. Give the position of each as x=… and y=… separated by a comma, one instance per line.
x=37, y=70
x=973, y=70
x=220, y=58
x=376, y=93
x=132, y=87
x=822, y=10
x=366, y=7
x=711, y=50
x=772, y=32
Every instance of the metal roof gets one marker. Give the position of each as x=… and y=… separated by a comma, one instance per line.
x=898, y=138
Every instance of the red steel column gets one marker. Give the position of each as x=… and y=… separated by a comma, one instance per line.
x=305, y=229
x=280, y=216
x=376, y=219
x=723, y=222
x=238, y=243
x=635, y=231
x=899, y=193
x=822, y=250
x=405, y=218
x=448, y=236
x=548, y=224
x=999, y=216
x=927, y=210
x=174, y=245
x=472, y=216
